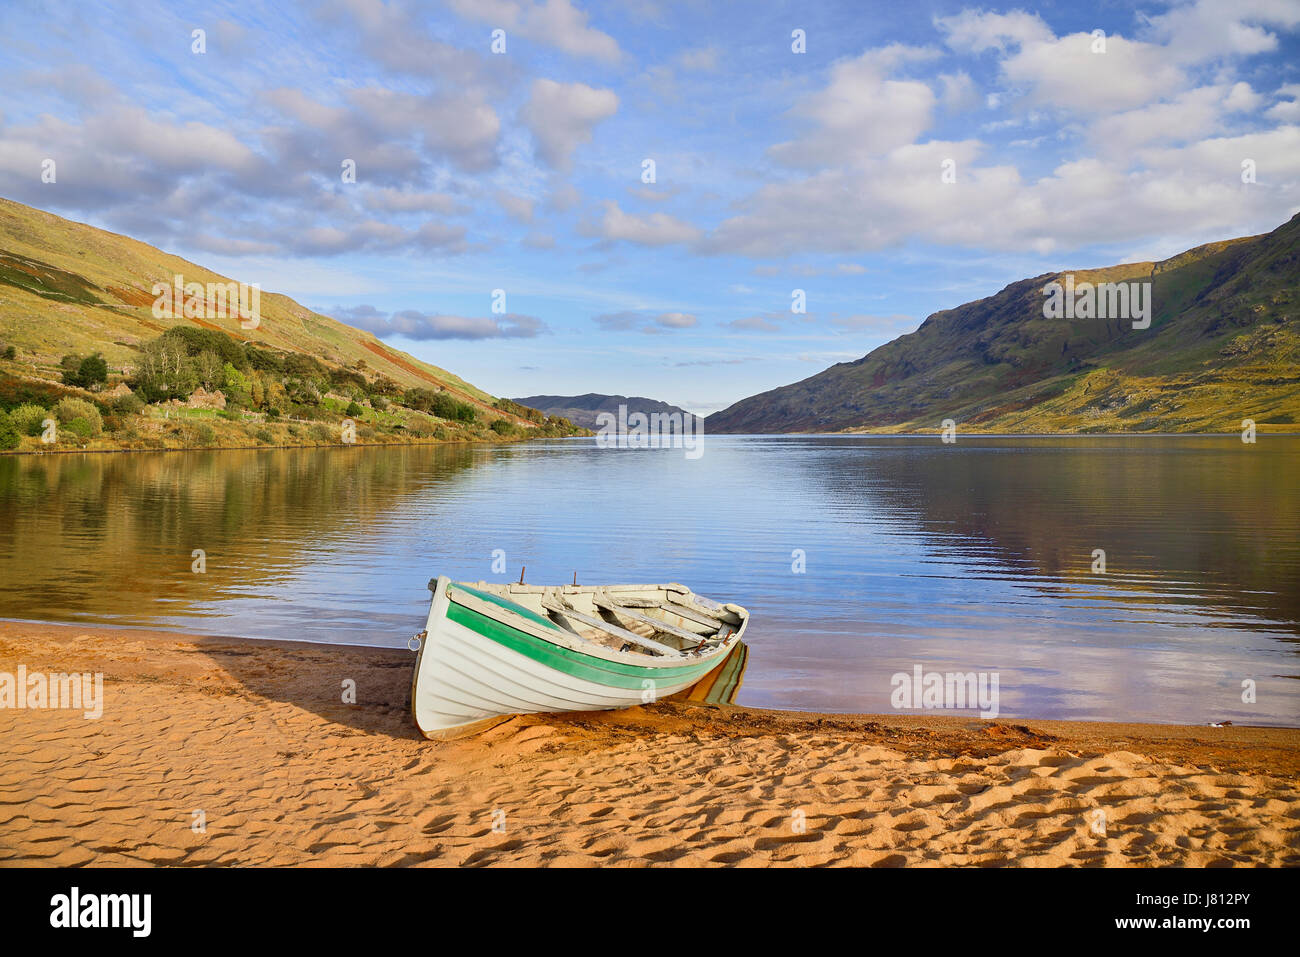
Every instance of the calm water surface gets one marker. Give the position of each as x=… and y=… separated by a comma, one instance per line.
x=969, y=557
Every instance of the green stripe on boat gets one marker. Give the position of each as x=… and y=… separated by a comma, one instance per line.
x=588, y=667
x=508, y=605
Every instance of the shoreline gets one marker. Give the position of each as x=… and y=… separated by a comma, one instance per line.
x=63, y=629
x=274, y=448
x=360, y=444
x=255, y=734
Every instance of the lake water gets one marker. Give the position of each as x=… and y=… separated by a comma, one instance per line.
x=858, y=557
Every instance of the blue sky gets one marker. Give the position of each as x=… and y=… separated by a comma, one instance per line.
x=774, y=170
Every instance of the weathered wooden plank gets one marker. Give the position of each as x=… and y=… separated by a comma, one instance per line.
x=603, y=601
x=554, y=606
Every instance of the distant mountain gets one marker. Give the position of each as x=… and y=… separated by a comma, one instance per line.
x=1223, y=345
x=582, y=410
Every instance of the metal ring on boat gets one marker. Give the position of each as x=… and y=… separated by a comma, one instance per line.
x=418, y=639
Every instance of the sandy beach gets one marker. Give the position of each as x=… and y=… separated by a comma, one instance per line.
x=234, y=752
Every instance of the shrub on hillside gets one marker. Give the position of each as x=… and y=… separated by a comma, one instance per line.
x=502, y=427
x=419, y=399
x=345, y=380
x=164, y=370
x=69, y=410
x=27, y=418
x=514, y=408
x=88, y=373
x=265, y=360
x=382, y=385
x=9, y=435
x=128, y=404
x=209, y=371
x=196, y=341
x=302, y=366
x=353, y=410
x=79, y=427
x=445, y=407
x=236, y=385
x=303, y=391
x=321, y=432
x=15, y=391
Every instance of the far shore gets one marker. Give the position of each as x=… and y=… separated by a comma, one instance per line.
x=516, y=439
x=512, y=440
x=233, y=751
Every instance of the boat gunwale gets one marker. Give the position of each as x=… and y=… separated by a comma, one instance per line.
x=563, y=638
x=614, y=674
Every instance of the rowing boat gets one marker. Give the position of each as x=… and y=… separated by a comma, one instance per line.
x=490, y=651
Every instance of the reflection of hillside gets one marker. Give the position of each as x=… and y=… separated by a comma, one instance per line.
x=1204, y=520
x=113, y=534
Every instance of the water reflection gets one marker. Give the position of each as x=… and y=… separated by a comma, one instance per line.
x=970, y=557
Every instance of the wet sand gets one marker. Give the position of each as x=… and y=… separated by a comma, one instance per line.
x=234, y=752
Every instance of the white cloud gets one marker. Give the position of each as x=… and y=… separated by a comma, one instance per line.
x=1188, y=117
x=1212, y=29
x=636, y=321
x=763, y=323
x=562, y=115
x=556, y=23
x=412, y=324
x=387, y=131
x=656, y=229
x=974, y=31
x=457, y=126
x=1286, y=110
x=1065, y=73
x=391, y=34
x=1152, y=153
x=959, y=93
x=518, y=208
x=1190, y=190
x=860, y=113
x=390, y=200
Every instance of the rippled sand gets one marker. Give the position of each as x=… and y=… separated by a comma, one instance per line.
x=215, y=751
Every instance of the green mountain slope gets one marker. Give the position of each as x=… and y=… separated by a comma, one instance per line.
x=66, y=287
x=1223, y=346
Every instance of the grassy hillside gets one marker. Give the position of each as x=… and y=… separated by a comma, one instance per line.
x=1223, y=345
x=70, y=290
